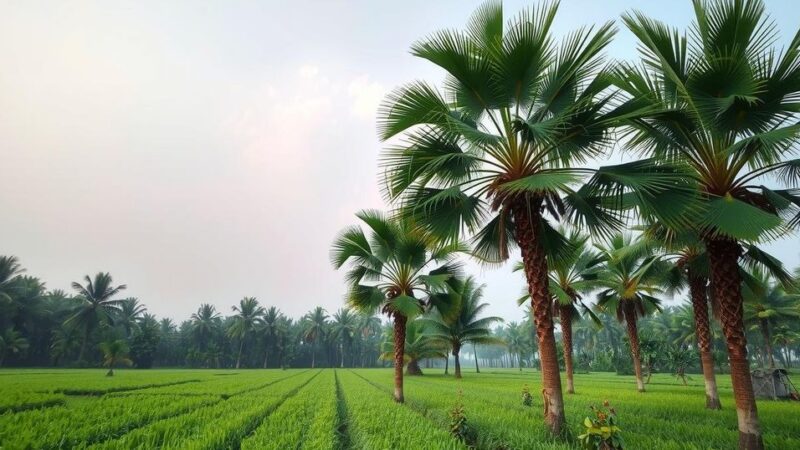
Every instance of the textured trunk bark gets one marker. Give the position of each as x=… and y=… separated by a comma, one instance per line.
x=697, y=291
x=727, y=283
x=456, y=350
x=527, y=222
x=565, y=314
x=399, y=353
x=633, y=336
x=413, y=369
x=764, y=325
x=475, y=351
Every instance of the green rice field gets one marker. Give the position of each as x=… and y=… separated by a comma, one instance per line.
x=344, y=408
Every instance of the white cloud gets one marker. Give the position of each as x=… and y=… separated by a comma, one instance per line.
x=366, y=95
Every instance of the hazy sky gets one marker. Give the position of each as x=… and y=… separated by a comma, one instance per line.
x=206, y=151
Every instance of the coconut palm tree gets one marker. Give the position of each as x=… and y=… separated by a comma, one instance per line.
x=269, y=329
x=204, y=323
x=467, y=326
x=723, y=102
x=315, y=325
x=114, y=353
x=418, y=345
x=11, y=341
x=398, y=269
x=247, y=318
x=97, y=306
x=344, y=328
x=10, y=269
x=766, y=306
x=629, y=277
x=130, y=312
x=493, y=153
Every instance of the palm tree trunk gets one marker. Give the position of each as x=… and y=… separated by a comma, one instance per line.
x=475, y=351
x=527, y=222
x=456, y=350
x=446, y=364
x=633, y=336
x=83, y=344
x=565, y=314
x=413, y=369
x=266, y=353
x=239, y=356
x=313, y=353
x=399, y=353
x=764, y=325
x=697, y=290
x=726, y=281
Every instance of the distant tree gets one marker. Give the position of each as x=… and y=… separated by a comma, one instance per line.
x=130, y=311
x=10, y=269
x=247, y=318
x=97, y=305
x=11, y=341
x=270, y=329
x=144, y=341
x=766, y=306
x=314, y=326
x=114, y=353
x=344, y=328
x=204, y=324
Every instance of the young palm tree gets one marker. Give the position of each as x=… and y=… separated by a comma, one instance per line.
x=766, y=306
x=399, y=270
x=11, y=341
x=344, y=327
x=467, y=326
x=114, y=353
x=493, y=152
x=97, y=305
x=269, y=329
x=724, y=103
x=571, y=275
x=247, y=318
x=315, y=325
x=418, y=345
x=629, y=277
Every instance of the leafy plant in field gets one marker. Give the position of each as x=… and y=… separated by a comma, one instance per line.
x=115, y=353
x=680, y=358
x=458, y=419
x=527, y=398
x=602, y=432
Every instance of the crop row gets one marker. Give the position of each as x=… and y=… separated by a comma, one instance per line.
x=376, y=421
x=92, y=382
x=224, y=386
x=307, y=420
x=221, y=425
x=23, y=401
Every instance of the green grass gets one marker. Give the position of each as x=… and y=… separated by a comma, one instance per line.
x=343, y=409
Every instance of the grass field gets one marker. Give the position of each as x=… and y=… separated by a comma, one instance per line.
x=343, y=408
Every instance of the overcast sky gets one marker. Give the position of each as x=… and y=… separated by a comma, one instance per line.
x=206, y=151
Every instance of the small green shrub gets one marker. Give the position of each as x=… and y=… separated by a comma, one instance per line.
x=527, y=398
x=602, y=432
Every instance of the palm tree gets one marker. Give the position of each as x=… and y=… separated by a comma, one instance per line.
x=517, y=341
x=571, y=275
x=204, y=323
x=723, y=103
x=97, y=305
x=493, y=152
x=467, y=326
x=247, y=318
x=130, y=312
x=397, y=271
x=344, y=327
x=766, y=306
x=314, y=328
x=114, y=353
x=64, y=341
x=629, y=277
x=9, y=270
x=269, y=329
x=418, y=345
x=11, y=341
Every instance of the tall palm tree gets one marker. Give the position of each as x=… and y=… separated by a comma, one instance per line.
x=724, y=103
x=269, y=329
x=9, y=270
x=130, y=312
x=344, y=328
x=629, y=278
x=517, y=341
x=114, y=353
x=97, y=305
x=315, y=325
x=766, y=306
x=467, y=326
x=493, y=152
x=400, y=270
x=204, y=323
x=247, y=318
